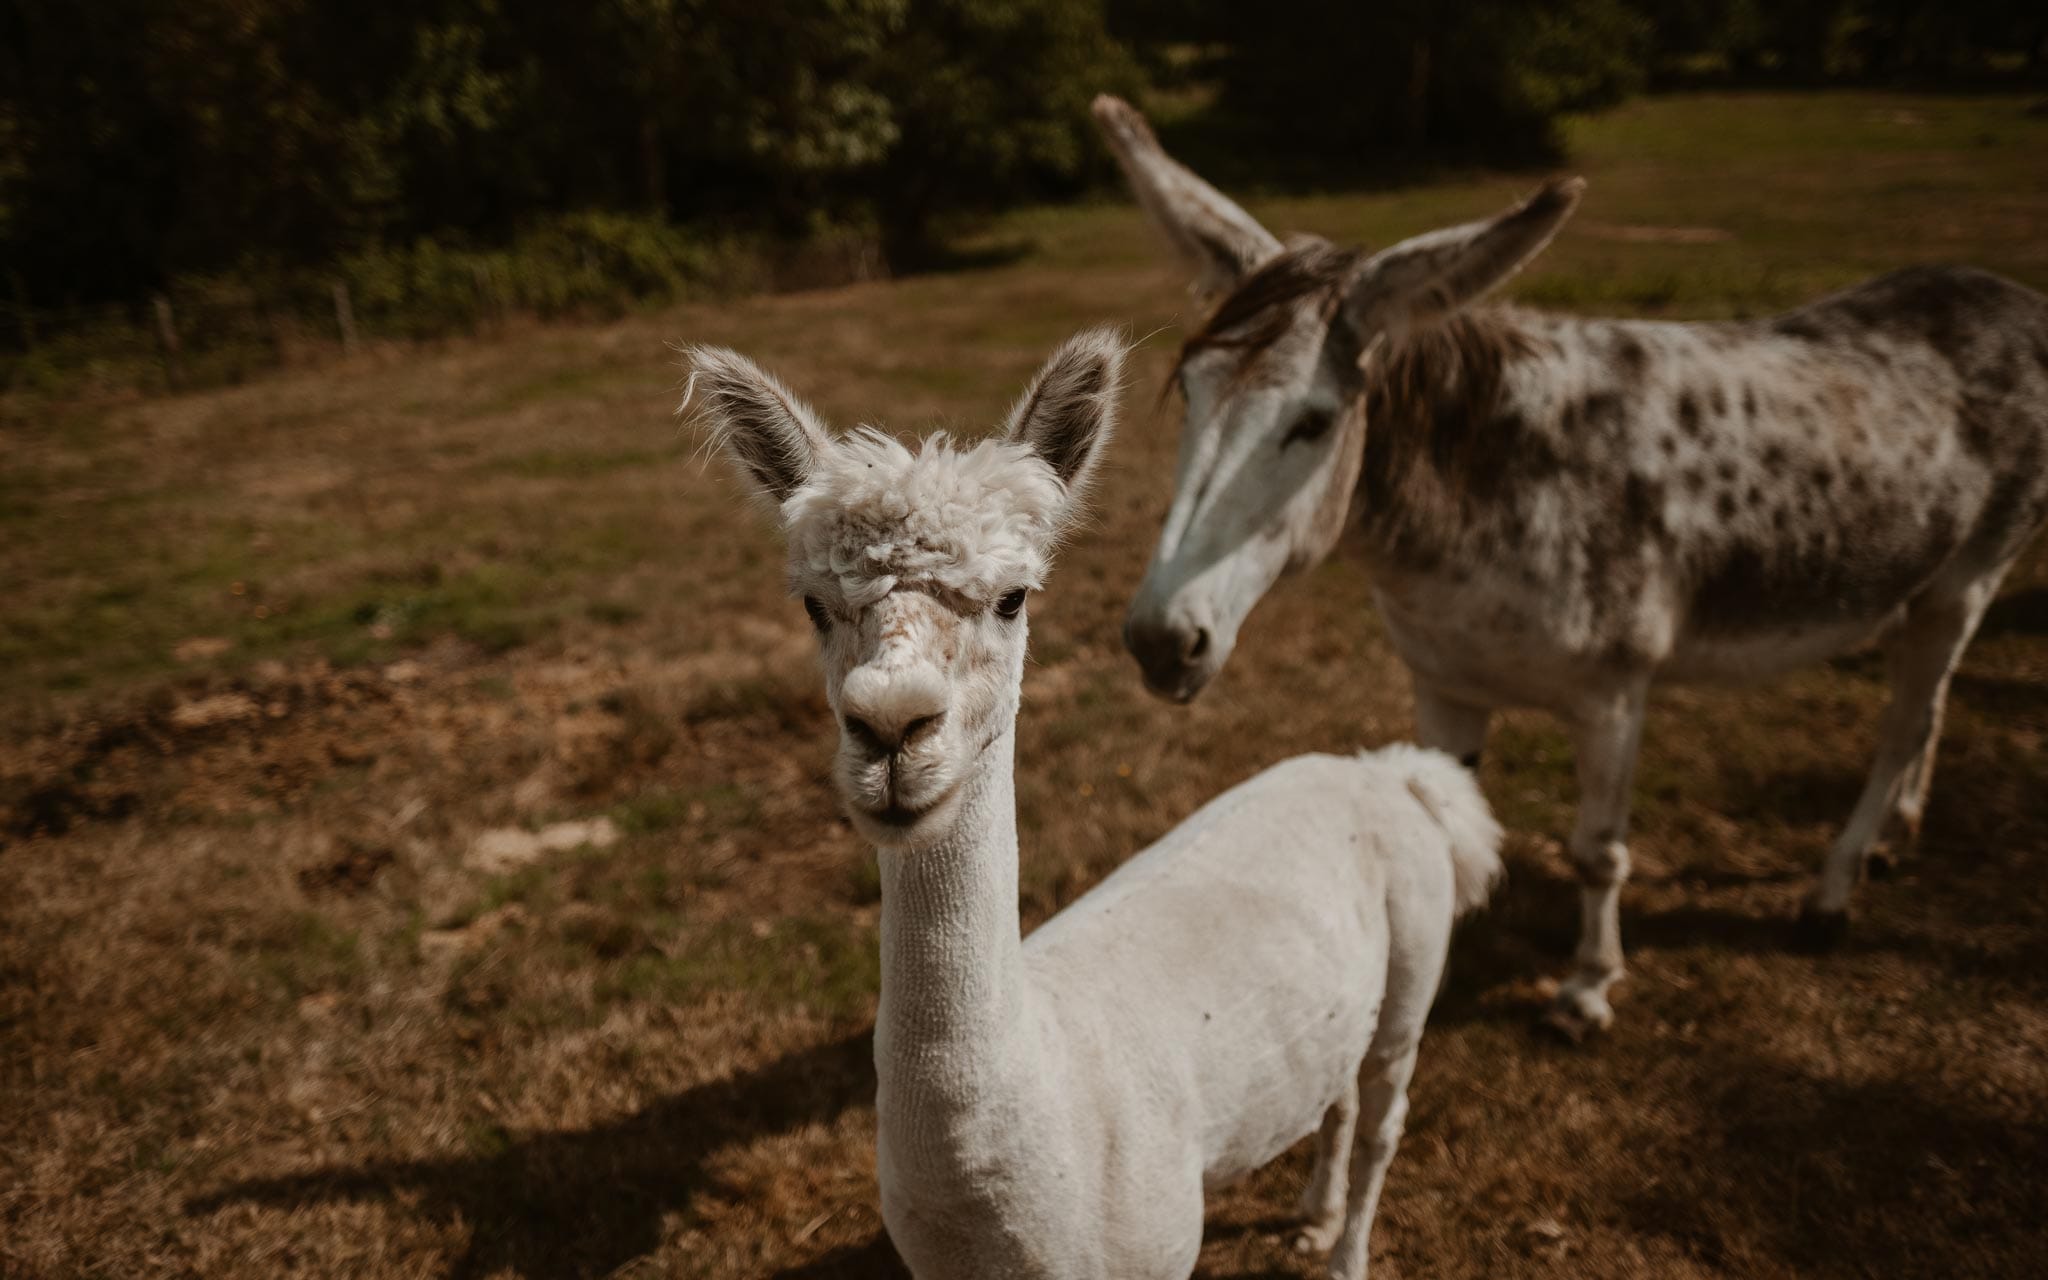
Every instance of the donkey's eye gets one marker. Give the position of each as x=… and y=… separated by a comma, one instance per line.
x=819, y=618
x=1011, y=605
x=1310, y=426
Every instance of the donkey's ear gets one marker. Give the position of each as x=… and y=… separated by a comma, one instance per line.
x=1068, y=412
x=1432, y=275
x=1219, y=242
x=770, y=435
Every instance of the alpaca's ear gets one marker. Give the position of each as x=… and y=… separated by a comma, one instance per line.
x=1067, y=413
x=772, y=436
x=1213, y=238
x=1432, y=275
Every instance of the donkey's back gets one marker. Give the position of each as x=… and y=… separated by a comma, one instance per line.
x=1914, y=438
x=1722, y=501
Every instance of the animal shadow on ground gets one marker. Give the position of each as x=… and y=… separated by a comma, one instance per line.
x=1531, y=926
x=2020, y=699
x=585, y=1202
x=875, y=1260
x=1785, y=1172
x=2018, y=613
x=1823, y=1176
x=1986, y=824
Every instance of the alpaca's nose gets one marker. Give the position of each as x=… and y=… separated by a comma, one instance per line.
x=885, y=741
x=887, y=711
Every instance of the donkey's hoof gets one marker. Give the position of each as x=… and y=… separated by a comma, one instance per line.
x=1821, y=928
x=1316, y=1237
x=1576, y=1015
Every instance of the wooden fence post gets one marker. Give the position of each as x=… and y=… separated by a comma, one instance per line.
x=345, y=318
x=167, y=340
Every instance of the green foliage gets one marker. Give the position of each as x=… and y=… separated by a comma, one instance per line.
x=450, y=160
x=587, y=261
x=1811, y=41
x=143, y=142
x=1471, y=76
x=991, y=100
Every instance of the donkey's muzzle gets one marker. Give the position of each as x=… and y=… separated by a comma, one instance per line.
x=1176, y=661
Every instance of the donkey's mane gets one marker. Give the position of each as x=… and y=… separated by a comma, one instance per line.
x=1430, y=385
x=1253, y=315
x=1436, y=387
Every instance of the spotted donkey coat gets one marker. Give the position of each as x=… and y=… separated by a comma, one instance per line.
x=1558, y=511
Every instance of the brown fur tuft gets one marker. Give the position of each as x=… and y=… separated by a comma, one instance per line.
x=1428, y=392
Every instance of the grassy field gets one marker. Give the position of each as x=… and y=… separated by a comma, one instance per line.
x=280, y=655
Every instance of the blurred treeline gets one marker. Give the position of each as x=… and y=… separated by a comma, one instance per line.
x=1358, y=83
x=446, y=159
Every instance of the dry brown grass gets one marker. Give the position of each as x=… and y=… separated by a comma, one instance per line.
x=258, y=1018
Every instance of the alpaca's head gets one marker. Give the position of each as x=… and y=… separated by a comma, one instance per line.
x=915, y=565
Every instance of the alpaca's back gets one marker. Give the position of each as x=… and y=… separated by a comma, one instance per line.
x=1236, y=969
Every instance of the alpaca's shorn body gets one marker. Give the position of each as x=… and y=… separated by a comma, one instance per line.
x=1057, y=1106
x=1559, y=511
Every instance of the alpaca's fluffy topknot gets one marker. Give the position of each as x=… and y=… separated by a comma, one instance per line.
x=978, y=520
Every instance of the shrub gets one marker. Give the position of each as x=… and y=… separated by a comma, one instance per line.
x=1485, y=77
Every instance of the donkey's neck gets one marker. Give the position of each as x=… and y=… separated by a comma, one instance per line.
x=952, y=1033
x=1434, y=408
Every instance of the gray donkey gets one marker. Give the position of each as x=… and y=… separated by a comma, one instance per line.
x=1558, y=511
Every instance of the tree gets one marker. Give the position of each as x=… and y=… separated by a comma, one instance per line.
x=1487, y=76
x=990, y=99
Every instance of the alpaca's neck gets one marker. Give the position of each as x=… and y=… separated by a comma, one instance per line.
x=952, y=1033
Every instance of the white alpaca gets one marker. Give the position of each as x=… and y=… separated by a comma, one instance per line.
x=1058, y=1107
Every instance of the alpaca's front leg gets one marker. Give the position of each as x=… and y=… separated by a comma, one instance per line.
x=1609, y=733
x=1322, y=1202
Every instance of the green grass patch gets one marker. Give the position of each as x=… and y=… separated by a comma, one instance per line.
x=718, y=807
x=655, y=809
x=613, y=613
x=311, y=953
x=830, y=966
x=572, y=464
x=531, y=887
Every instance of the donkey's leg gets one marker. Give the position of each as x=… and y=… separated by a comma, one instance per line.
x=1322, y=1203
x=1608, y=733
x=1911, y=808
x=1936, y=630
x=1382, y=1113
x=1902, y=824
x=1458, y=729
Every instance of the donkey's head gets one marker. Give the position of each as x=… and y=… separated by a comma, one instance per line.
x=915, y=565
x=1274, y=385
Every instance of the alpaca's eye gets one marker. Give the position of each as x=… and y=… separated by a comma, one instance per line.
x=1310, y=426
x=819, y=618
x=1011, y=605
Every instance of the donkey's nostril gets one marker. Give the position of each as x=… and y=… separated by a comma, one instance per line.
x=917, y=727
x=1198, y=644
